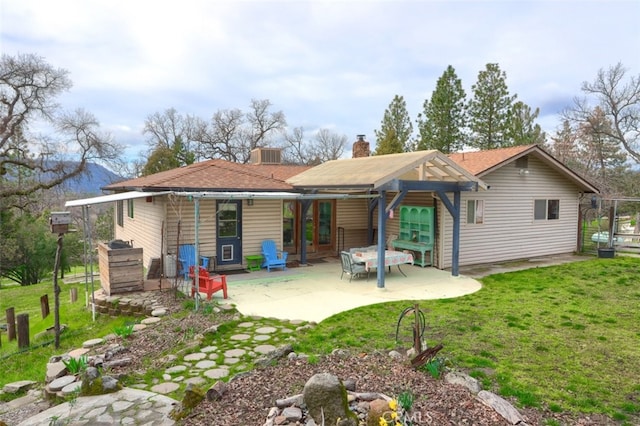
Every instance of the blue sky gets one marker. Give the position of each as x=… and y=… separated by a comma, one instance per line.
x=325, y=64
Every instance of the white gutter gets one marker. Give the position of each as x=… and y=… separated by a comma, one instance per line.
x=113, y=197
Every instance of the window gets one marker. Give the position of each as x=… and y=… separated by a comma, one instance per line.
x=475, y=211
x=120, y=213
x=546, y=209
x=130, y=208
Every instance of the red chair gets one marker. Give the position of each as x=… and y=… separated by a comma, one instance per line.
x=208, y=284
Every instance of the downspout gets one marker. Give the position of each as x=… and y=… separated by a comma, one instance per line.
x=382, y=220
x=305, y=204
x=196, y=269
x=455, y=261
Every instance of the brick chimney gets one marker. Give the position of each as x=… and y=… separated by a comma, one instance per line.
x=360, y=148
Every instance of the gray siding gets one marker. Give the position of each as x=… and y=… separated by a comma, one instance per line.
x=509, y=231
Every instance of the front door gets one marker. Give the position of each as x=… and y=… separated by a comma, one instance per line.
x=229, y=232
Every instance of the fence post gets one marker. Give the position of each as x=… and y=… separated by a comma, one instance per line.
x=44, y=305
x=23, y=330
x=11, y=324
x=74, y=294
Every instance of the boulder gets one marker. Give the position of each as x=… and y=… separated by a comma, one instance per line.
x=326, y=399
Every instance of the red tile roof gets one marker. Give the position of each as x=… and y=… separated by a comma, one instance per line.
x=216, y=175
x=480, y=162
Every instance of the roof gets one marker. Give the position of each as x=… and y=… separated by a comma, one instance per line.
x=373, y=172
x=481, y=163
x=218, y=175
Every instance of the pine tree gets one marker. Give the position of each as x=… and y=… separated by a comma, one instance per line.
x=522, y=127
x=490, y=109
x=443, y=121
x=396, y=129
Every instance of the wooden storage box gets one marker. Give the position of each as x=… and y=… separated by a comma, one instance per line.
x=121, y=269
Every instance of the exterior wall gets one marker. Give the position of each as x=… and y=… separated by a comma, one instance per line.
x=144, y=230
x=413, y=198
x=260, y=222
x=509, y=231
x=351, y=223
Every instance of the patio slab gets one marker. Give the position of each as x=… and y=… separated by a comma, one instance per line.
x=316, y=292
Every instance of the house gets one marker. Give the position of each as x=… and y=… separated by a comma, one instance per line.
x=531, y=208
x=494, y=205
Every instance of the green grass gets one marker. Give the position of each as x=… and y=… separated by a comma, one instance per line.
x=562, y=336
x=28, y=364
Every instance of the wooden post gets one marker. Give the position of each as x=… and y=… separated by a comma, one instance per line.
x=11, y=324
x=23, y=330
x=56, y=292
x=417, y=344
x=44, y=305
x=73, y=294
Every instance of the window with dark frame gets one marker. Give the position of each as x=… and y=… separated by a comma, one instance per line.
x=546, y=210
x=120, y=213
x=475, y=212
x=130, y=208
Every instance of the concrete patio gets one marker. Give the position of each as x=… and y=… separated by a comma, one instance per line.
x=316, y=292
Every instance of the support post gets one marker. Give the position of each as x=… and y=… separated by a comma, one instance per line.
x=23, y=330
x=44, y=305
x=382, y=220
x=11, y=324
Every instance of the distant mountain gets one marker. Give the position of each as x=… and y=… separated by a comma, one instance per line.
x=91, y=180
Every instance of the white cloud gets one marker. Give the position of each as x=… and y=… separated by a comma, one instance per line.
x=333, y=63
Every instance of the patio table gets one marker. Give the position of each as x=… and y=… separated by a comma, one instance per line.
x=391, y=258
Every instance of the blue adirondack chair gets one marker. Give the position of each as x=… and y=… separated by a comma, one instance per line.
x=273, y=258
x=187, y=256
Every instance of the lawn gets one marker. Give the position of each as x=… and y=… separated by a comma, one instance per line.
x=564, y=337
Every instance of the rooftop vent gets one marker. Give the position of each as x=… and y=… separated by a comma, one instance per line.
x=266, y=156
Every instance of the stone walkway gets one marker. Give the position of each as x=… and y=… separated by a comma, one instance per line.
x=148, y=404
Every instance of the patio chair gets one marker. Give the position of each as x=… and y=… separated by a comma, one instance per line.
x=208, y=284
x=186, y=256
x=350, y=267
x=273, y=258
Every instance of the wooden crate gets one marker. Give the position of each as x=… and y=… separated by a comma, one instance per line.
x=121, y=270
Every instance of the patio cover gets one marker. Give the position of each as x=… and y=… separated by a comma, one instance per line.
x=377, y=171
x=429, y=171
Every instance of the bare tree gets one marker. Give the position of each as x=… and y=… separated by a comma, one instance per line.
x=620, y=104
x=324, y=146
x=170, y=139
x=28, y=162
x=220, y=138
x=232, y=134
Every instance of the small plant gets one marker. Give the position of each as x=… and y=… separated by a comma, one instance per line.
x=405, y=399
x=435, y=367
x=397, y=414
x=76, y=365
x=123, y=331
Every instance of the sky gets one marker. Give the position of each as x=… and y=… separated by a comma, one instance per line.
x=325, y=64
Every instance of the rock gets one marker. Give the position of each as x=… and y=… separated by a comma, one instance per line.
x=501, y=406
x=61, y=382
x=326, y=398
x=193, y=395
x=273, y=355
x=16, y=387
x=95, y=384
x=396, y=355
x=292, y=414
x=377, y=408
x=342, y=353
x=462, y=379
x=55, y=370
